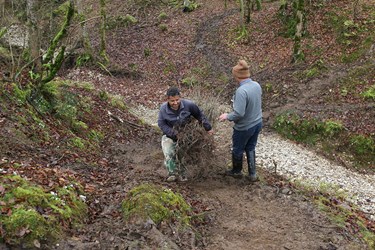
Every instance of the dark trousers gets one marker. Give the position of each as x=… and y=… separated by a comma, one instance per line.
x=245, y=141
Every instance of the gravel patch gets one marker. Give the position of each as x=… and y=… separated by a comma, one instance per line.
x=295, y=162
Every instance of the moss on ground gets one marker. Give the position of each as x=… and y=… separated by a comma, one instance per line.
x=30, y=214
x=156, y=203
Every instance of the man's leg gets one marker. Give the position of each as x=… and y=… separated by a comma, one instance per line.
x=250, y=150
x=168, y=146
x=238, y=143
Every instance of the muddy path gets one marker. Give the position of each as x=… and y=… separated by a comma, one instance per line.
x=258, y=216
x=239, y=215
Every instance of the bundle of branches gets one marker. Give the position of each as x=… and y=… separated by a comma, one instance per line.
x=195, y=150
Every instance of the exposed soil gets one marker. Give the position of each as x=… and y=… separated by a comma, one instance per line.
x=237, y=214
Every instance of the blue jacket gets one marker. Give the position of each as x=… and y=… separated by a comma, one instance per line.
x=169, y=120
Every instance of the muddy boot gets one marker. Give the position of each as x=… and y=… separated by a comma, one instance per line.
x=251, y=165
x=236, y=171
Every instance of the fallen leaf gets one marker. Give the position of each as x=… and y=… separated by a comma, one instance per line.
x=36, y=243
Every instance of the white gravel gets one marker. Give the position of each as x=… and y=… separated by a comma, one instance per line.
x=296, y=162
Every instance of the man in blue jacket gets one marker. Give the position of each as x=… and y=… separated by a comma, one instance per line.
x=173, y=115
x=247, y=118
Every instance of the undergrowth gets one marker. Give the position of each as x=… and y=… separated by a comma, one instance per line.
x=67, y=104
x=330, y=135
x=334, y=202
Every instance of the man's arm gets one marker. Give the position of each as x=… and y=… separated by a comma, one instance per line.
x=239, y=107
x=198, y=114
x=165, y=127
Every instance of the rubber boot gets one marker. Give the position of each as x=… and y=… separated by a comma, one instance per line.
x=251, y=165
x=236, y=170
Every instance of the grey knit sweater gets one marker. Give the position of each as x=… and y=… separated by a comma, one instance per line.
x=247, y=105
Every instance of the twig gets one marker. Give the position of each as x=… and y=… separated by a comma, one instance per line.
x=57, y=161
x=324, y=226
x=277, y=189
x=275, y=164
x=123, y=121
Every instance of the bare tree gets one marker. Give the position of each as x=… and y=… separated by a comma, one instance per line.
x=85, y=35
x=102, y=52
x=356, y=4
x=32, y=9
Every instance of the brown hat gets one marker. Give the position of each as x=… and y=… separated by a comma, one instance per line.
x=241, y=70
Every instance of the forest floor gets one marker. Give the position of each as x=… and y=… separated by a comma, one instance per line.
x=268, y=214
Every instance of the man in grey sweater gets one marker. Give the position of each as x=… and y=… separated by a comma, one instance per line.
x=247, y=118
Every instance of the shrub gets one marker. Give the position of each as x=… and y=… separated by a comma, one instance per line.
x=79, y=126
x=296, y=128
x=77, y=143
x=103, y=95
x=121, y=21
x=163, y=27
x=362, y=144
x=96, y=136
x=369, y=93
x=190, y=81
x=20, y=94
x=147, y=52
x=331, y=128
x=162, y=16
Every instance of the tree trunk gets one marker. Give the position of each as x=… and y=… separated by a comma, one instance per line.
x=34, y=42
x=85, y=35
x=356, y=5
x=248, y=11
x=300, y=19
x=103, y=53
x=2, y=6
x=55, y=63
x=242, y=8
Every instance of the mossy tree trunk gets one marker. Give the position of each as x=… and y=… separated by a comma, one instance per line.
x=242, y=8
x=248, y=10
x=103, y=53
x=356, y=6
x=32, y=9
x=299, y=17
x=252, y=5
x=85, y=35
x=50, y=64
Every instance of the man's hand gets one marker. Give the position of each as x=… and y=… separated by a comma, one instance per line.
x=210, y=132
x=223, y=117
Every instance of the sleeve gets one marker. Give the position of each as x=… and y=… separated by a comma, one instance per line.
x=165, y=126
x=239, y=106
x=199, y=115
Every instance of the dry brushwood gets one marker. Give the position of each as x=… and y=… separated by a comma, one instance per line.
x=195, y=150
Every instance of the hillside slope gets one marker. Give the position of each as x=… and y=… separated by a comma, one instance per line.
x=194, y=50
